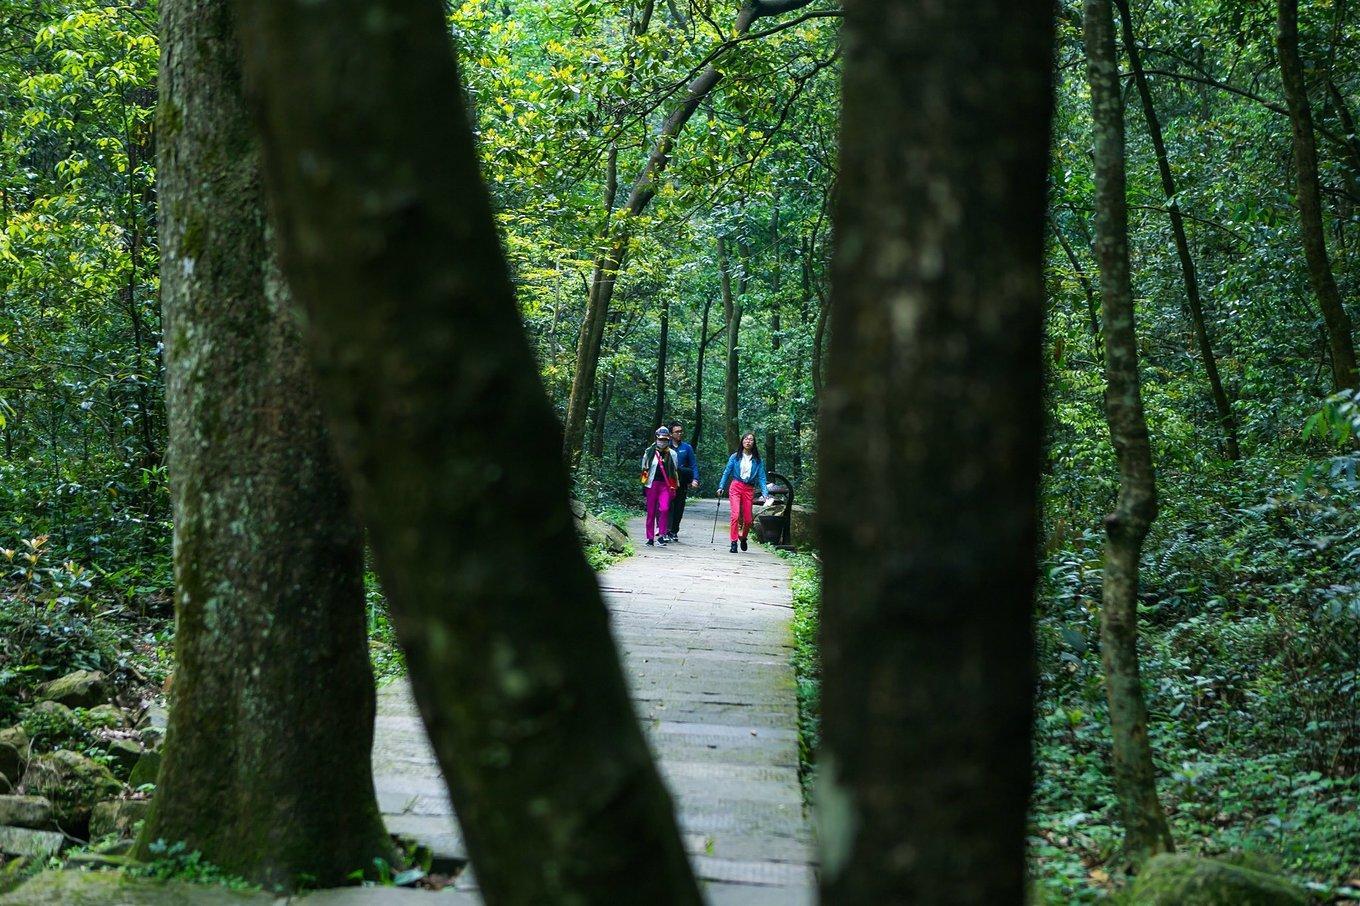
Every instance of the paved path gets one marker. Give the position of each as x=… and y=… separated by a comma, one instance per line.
x=711, y=678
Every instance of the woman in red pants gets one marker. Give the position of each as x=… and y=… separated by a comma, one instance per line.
x=743, y=477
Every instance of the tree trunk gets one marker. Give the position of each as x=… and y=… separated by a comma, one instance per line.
x=644, y=189
x=771, y=430
x=1084, y=280
x=603, y=398
x=434, y=397
x=1145, y=826
x=699, y=377
x=929, y=534
x=266, y=769
x=1334, y=317
x=732, y=312
x=1226, y=420
x=661, y=363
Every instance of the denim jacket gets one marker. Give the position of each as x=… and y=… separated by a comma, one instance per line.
x=733, y=473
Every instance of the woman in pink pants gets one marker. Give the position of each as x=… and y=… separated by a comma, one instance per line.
x=660, y=478
x=742, y=479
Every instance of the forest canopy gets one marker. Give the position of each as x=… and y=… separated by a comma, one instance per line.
x=666, y=188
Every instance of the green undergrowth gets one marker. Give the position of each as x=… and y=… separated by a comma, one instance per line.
x=807, y=664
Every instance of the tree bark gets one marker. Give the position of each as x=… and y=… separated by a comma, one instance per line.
x=661, y=363
x=603, y=397
x=1145, y=827
x=435, y=401
x=732, y=312
x=1226, y=420
x=704, y=340
x=1084, y=280
x=267, y=768
x=928, y=534
x=618, y=238
x=1309, y=200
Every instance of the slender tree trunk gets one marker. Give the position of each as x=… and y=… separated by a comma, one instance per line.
x=661, y=363
x=732, y=312
x=266, y=769
x=644, y=189
x=1084, y=280
x=1226, y=420
x=771, y=451
x=928, y=534
x=433, y=393
x=1309, y=200
x=699, y=377
x=600, y=417
x=1145, y=826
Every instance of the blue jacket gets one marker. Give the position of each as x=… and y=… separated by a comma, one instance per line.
x=733, y=473
x=685, y=458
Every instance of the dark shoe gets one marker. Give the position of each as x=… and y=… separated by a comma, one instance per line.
x=662, y=541
x=649, y=542
x=743, y=543
x=734, y=547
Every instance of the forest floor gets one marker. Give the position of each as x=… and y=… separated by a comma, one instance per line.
x=706, y=641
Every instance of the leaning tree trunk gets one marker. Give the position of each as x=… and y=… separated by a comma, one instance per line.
x=732, y=314
x=266, y=769
x=1145, y=827
x=434, y=398
x=699, y=376
x=929, y=534
x=1309, y=198
x=1226, y=420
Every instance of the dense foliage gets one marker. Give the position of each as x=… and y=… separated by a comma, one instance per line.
x=1251, y=592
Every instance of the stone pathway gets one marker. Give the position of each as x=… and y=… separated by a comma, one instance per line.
x=708, y=663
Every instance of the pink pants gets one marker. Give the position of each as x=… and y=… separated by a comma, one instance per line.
x=658, y=507
x=739, y=497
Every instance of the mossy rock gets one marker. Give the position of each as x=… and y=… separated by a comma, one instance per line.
x=146, y=769
x=73, y=783
x=52, y=725
x=26, y=811
x=111, y=888
x=13, y=755
x=79, y=689
x=118, y=816
x=124, y=753
x=1180, y=880
x=102, y=717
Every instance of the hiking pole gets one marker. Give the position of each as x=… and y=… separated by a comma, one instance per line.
x=717, y=505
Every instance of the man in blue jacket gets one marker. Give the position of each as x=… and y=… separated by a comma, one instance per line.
x=688, y=465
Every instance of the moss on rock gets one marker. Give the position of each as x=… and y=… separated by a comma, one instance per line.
x=73, y=783
x=1181, y=880
x=109, y=888
x=80, y=689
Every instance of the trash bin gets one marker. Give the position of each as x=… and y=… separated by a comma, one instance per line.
x=773, y=522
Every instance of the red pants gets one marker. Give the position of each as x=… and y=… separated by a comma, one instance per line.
x=658, y=507
x=739, y=497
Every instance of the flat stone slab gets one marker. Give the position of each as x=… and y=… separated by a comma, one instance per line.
x=706, y=645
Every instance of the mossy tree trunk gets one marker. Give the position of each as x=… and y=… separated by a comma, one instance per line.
x=266, y=768
x=1336, y=321
x=1145, y=827
x=443, y=426
x=930, y=451
x=1190, y=278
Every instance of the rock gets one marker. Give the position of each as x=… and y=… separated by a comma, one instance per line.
x=23, y=841
x=125, y=754
x=51, y=725
x=804, y=526
x=117, y=816
x=594, y=530
x=578, y=509
x=81, y=689
x=112, y=888
x=1179, y=880
x=73, y=783
x=13, y=755
x=106, y=717
x=145, y=770
x=26, y=811
x=152, y=737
